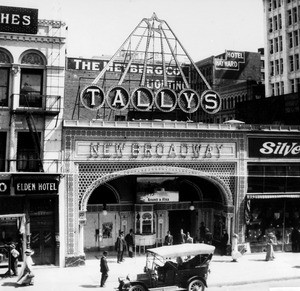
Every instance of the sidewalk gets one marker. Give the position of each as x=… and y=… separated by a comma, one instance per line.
x=251, y=268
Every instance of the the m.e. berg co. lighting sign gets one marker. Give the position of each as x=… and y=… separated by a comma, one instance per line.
x=18, y=20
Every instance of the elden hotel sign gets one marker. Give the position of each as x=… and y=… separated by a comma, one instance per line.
x=18, y=20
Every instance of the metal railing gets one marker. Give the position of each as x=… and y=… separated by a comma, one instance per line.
x=34, y=102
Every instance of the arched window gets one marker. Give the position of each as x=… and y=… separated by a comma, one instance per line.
x=5, y=67
x=32, y=78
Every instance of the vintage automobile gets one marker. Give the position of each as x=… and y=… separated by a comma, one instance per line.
x=176, y=267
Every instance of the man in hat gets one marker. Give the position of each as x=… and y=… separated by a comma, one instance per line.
x=103, y=269
x=26, y=275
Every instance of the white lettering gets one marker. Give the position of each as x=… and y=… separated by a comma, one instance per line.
x=118, y=99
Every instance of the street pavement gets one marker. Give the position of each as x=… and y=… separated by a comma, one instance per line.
x=251, y=268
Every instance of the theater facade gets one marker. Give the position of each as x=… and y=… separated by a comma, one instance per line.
x=134, y=158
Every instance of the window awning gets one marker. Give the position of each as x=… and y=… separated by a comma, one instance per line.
x=272, y=196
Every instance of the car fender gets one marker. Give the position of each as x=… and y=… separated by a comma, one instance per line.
x=132, y=283
x=196, y=277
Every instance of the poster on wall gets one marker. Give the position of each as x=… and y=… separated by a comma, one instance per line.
x=107, y=228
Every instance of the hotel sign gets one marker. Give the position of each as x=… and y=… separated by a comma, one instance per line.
x=232, y=61
x=18, y=20
x=36, y=186
x=153, y=150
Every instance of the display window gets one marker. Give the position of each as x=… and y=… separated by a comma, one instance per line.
x=279, y=216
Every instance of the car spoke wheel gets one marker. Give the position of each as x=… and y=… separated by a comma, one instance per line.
x=137, y=288
x=196, y=285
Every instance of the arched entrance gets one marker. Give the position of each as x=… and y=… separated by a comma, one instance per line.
x=116, y=193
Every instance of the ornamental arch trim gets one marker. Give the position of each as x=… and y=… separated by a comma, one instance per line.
x=33, y=58
x=226, y=193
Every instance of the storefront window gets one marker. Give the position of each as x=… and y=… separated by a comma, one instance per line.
x=273, y=178
x=272, y=215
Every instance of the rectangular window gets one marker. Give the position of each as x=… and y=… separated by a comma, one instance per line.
x=273, y=89
x=296, y=38
x=281, y=87
x=31, y=89
x=274, y=4
x=290, y=22
x=276, y=45
x=293, y=86
x=291, y=63
x=280, y=43
x=272, y=68
x=4, y=81
x=290, y=39
x=275, y=23
x=270, y=25
x=277, y=67
x=295, y=15
x=27, y=155
x=279, y=21
x=278, y=178
x=271, y=46
x=281, y=66
x=296, y=61
x=2, y=150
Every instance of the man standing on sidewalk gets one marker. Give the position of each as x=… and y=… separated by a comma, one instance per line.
x=103, y=269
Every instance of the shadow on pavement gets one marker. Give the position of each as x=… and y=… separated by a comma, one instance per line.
x=89, y=286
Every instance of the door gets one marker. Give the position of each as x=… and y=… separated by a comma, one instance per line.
x=43, y=244
x=180, y=219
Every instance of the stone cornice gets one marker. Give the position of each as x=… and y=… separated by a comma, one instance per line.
x=31, y=38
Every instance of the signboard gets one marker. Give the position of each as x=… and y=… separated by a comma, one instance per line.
x=274, y=148
x=97, y=150
x=18, y=20
x=238, y=65
x=30, y=186
x=4, y=187
x=157, y=189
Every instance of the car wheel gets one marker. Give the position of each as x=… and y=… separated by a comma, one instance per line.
x=196, y=285
x=137, y=288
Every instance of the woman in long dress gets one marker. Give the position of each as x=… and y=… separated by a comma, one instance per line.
x=235, y=254
x=271, y=240
x=26, y=275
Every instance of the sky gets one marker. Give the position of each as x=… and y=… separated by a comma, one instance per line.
x=204, y=27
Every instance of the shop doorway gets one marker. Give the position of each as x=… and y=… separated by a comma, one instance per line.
x=181, y=219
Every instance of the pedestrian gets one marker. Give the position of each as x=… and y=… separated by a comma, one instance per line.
x=295, y=239
x=189, y=239
x=14, y=260
x=208, y=236
x=182, y=236
x=224, y=242
x=129, y=238
x=104, y=269
x=202, y=232
x=26, y=274
x=120, y=247
x=168, y=239
x=235, y=254
x=271, y=240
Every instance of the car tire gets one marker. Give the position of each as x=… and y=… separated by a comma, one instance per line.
x=196, y=285
x=137, y=287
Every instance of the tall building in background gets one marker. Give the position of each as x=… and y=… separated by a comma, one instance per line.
x=282, y=64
